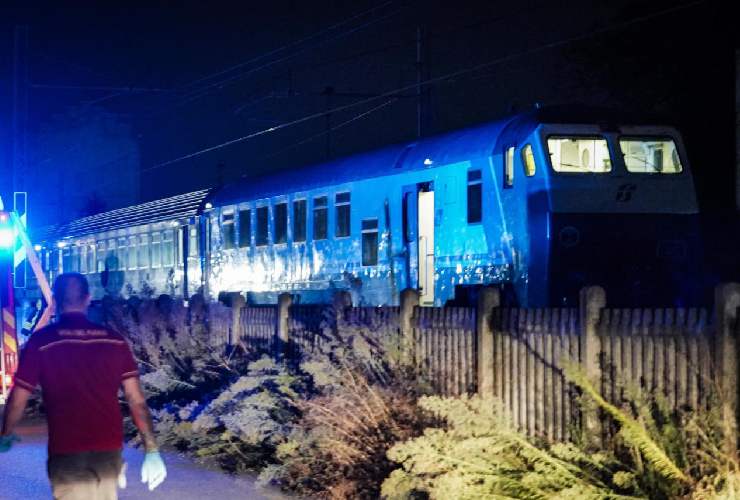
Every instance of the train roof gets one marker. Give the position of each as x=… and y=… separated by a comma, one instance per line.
x=449, y=148
x=444, y=149
x=172, y=208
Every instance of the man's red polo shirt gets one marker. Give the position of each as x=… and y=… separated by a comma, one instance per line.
x=80, y=367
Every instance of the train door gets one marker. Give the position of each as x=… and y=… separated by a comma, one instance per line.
x=418, y=232
x=426, y=247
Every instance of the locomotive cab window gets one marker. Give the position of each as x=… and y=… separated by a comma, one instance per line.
x=650, y=155
x=370, y=242
x=262, y=222
x=343, y=215
x=579, y=154
x=509, y=167
x=475, y=197
x=528, y=160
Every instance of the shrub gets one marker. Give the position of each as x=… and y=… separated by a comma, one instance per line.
x=480, y=455
x=239, y=426
x=362, y=401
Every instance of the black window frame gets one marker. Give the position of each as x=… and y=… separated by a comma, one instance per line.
x=262, y=226
x=228, y=230
x=370, y=230
x=343, y=214
x=474, y=191
x=280, y=223
x=320, y=205
x=300, y=220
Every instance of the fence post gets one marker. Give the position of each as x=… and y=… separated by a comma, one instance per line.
x=409, y=300
x=727, y=302
x=488, y=299
x=285, y=300
x=235, y=332
x=592, y=301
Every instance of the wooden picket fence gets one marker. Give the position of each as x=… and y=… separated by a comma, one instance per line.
x=519, y=355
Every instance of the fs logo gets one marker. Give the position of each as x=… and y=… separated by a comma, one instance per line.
x=624, y=193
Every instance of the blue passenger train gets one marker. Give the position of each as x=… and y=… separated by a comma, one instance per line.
x=541, y=203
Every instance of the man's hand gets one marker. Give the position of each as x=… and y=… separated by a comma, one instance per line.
x=153, y=470
x=6, y=442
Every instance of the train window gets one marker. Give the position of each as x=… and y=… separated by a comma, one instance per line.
x=299, y=221
x=66, y=259
x=228, y=233
x=320, y=218
x=245, y=229
x=75, y=259
x=509, y=167
x=111, y=261
x=528, y=160
x=156, y=250
x=90, y=257
x=54, y=261
x=370, y=242
x=262, y=219
x=83, y=259
x=343, y=214
x=475, y=196
x=143, y=251
x=281, y=223
x=650, y=155
x=131, y=264
x=122, y=253
x=579, y=154
x=168, y=248
x=193, y=243
x=100, y=255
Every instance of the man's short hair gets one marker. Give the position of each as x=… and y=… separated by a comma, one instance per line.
x=71, y=290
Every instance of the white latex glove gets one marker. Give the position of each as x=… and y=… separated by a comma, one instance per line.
x=122, y=477
x=153, y=470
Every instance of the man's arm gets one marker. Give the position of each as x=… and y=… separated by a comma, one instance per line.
x=140, y=412
x=14, y=409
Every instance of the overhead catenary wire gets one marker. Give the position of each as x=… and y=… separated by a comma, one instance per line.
x=288, y=45
x=429, y=81
x=198, y=93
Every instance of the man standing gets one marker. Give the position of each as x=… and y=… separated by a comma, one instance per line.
x=80, y=366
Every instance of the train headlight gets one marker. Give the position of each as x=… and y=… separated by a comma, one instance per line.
x=8, y=380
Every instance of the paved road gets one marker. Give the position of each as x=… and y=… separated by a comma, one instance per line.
x=23, y=475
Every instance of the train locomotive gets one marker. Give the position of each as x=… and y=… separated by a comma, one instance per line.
x=541, y=204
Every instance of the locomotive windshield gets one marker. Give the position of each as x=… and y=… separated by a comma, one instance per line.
x=579, y=154
x=650, y=155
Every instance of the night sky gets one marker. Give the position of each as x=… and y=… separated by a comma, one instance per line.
x=177, y=80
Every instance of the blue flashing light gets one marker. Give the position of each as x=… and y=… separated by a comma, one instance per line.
x=7, y=235
x=7, y=238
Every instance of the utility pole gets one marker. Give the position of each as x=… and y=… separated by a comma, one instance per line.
x=419, y=104
x=19, y=161
x=328, y=93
